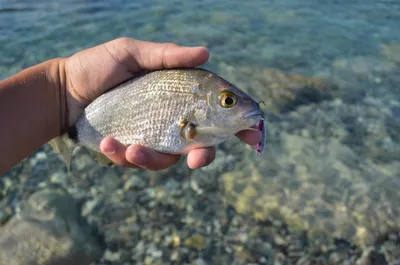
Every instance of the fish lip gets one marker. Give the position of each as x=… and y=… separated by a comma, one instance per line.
x=253, y=113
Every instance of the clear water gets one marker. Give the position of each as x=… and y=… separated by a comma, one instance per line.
x=332, y=167
x=295, y=35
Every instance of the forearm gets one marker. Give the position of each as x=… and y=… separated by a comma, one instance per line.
x=31, y=111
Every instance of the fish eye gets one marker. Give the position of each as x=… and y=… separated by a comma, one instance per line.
x=227, y=99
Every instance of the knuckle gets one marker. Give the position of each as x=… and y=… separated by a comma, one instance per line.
x=123, y=40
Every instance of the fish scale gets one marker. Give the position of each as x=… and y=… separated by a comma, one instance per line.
x=149, y=115
x=157, y=108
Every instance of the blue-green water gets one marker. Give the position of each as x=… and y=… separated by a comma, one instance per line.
x=294, y=35
x=331, y=167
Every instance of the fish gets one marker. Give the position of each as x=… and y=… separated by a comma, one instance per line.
x=169, y=110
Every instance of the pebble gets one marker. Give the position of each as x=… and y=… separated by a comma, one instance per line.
x=134, y=182
x=200, y=261
x=5, y=215
x=111, y=256
x=89, y=206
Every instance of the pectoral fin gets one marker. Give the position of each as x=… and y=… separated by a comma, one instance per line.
x=188, y=131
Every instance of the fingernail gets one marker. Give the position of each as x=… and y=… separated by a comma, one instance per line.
x=139, y=158
x=109, y=149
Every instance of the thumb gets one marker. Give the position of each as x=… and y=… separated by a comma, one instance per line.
x=152, y=56
x=93, y=71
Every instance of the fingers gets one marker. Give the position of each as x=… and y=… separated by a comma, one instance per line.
x=152, y=56
x=201, y=157
x=149, y=159
x=136, y=156
x=115, y=151
x=250, y=137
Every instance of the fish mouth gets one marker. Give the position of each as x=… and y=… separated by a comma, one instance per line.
x=253, y=113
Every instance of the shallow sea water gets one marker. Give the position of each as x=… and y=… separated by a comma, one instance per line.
x=332, y=164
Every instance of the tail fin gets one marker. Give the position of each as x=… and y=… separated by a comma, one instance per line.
x=64, y=146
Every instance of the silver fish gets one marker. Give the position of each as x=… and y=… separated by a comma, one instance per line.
x=172, y=111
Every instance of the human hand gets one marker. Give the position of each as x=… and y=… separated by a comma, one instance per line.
x=89, y=73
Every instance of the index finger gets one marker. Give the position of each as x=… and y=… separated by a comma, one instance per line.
x=153, y=56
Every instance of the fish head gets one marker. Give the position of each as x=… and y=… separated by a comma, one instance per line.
x=233, y=109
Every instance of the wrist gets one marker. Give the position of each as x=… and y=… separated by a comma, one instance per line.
x=32, y=110
x=57, y=80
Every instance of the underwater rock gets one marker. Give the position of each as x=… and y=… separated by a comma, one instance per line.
x=49, y=230
x=391, y=51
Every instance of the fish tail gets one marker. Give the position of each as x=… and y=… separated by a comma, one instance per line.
x=64, y=146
